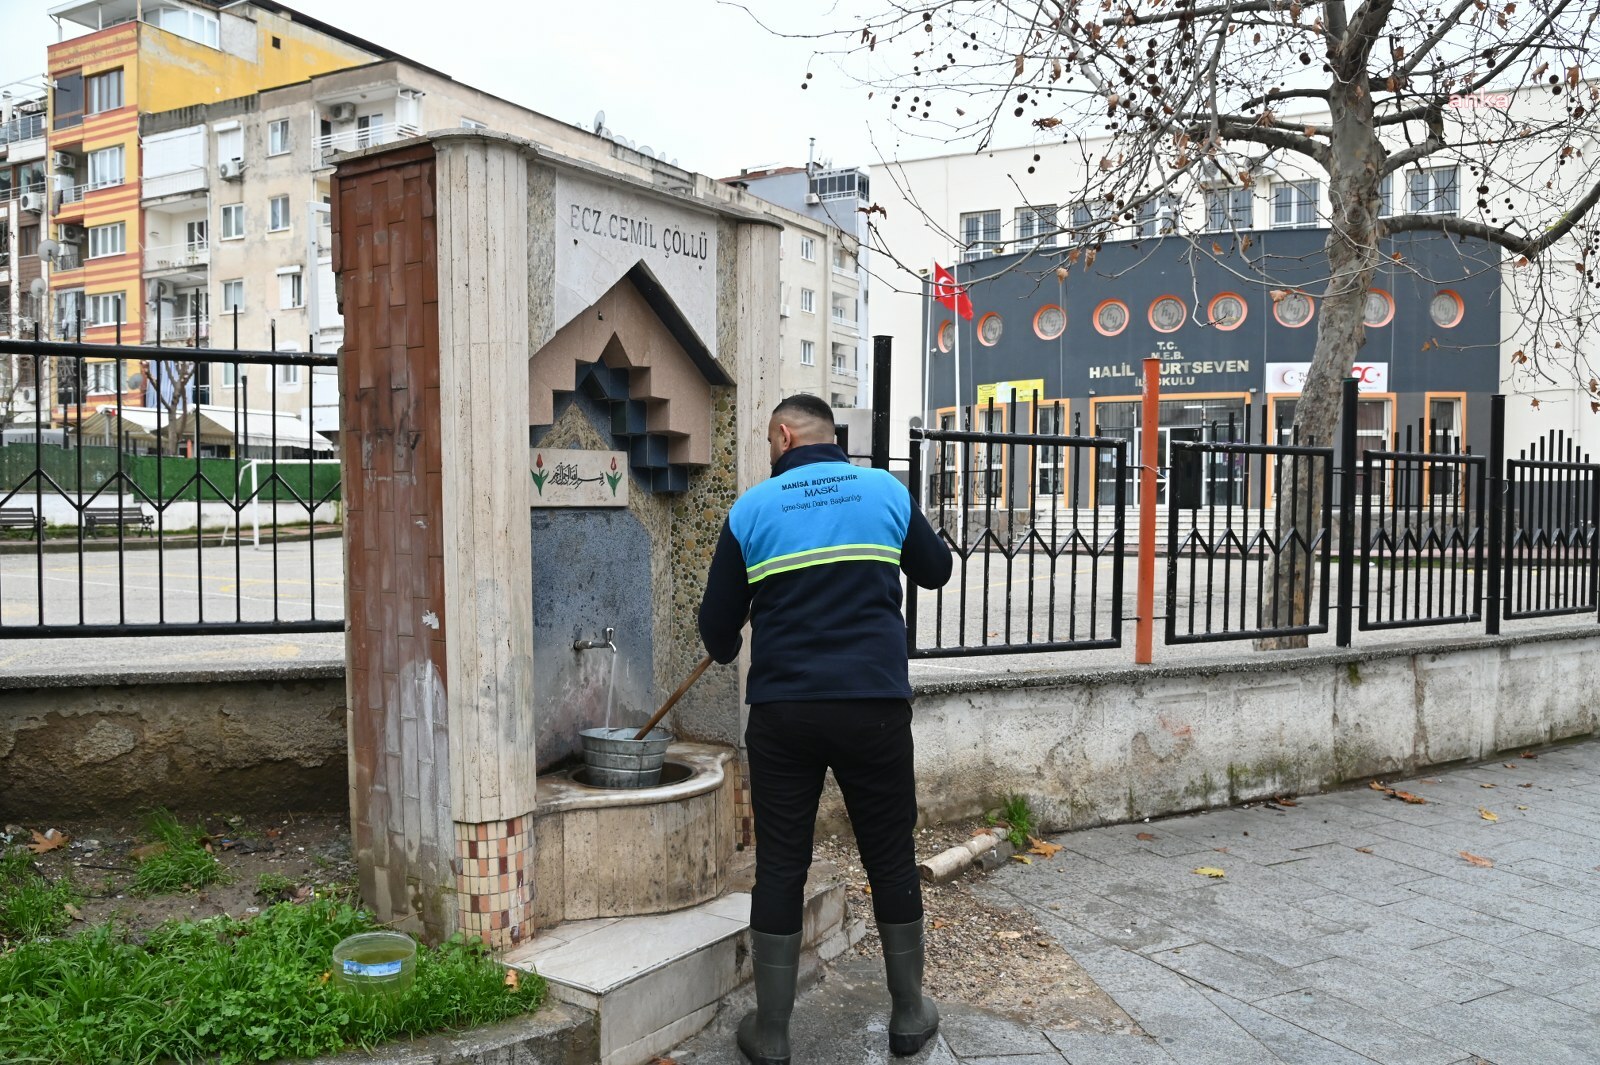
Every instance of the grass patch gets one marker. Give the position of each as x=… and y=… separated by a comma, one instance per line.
x=274, y=884
x=229, y=991
x=31, y=906
x=1017, y=816
x=177, y=860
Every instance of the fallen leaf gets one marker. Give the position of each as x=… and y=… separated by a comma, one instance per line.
x=324, y=977
x=149, y=850
x=1211, y=871
x=1486, y=785
x=1415, y=800
x=1023, y=858
x=513, y=978
x=1488, y=815
x=1529, y=784
x=1478, y=860
x=73, y=912
x=1146, y=837
x=1430, y=780
x=1508, y=765
x=1529, y=754
x=48, y=840
x=1363, y=850
x=1042, y=848
x=1008, y=935
x=274, y=833
x=1220, y=850
x=938, y=922
x=1522, y=807
x=1282, y=801
x=983, y=831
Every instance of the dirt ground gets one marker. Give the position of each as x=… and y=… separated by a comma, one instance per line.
x=310, y=852
x=992, y=958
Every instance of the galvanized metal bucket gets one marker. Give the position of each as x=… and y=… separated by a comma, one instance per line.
x=612, y=758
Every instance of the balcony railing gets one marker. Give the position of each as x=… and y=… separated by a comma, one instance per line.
x=22, y=128
x=841, y=320
x=178, y=256
x=68, y=257
x=156, y=186
x=75, y=193
x=355, y=139
x=181, y=330
x=5, y=260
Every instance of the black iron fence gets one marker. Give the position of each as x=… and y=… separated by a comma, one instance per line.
x=109, y=450
x=1265, y=536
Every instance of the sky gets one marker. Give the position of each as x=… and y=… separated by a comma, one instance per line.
x=697, y=79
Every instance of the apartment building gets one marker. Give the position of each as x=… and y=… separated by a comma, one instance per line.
x=1441, y=326
x=22, y=186
x=824, y=280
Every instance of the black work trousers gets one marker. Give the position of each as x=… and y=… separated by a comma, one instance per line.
x=867, y=743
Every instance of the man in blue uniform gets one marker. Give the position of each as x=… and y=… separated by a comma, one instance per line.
x=814, y=557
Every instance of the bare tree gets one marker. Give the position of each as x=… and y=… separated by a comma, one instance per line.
x=1173, y=97
x=171, y=384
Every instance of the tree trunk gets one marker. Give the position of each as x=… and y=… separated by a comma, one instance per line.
x=1354, y=173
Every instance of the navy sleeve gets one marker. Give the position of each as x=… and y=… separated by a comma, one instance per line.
x=924, y=557
x=726, y=601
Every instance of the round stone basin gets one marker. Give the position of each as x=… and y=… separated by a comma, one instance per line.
x=618, y=852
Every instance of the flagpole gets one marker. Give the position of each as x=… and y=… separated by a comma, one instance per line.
x=955, y=327
x=927, y=358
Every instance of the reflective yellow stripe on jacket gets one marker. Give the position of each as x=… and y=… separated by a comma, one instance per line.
x=821, y=556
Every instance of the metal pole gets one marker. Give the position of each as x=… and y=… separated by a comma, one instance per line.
x=1144, y=633
x=1497, y=487
x=882, y=346
x=1347, y=512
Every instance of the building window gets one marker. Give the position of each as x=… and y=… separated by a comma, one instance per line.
x=100, y=378
x=1050, y=461
x=1090, y=218
x=947, y=336
x=106, y=167
x=1229, y=209
x=278, y=214
x=278, y=137
x=841, y=259
x=191, y=25
x=27, y=240
x=232, y=221
x=105, y=308
x=808, y=249
x=104, y=91
x=841, y=360
x=233, y=296
x=839, y=185
x=68, y=100
x=289, y=375
x=472, y=123
x=1036, y=227
x=194, y=235
x=980, y=232
x=1294, y=203
x=1434, y=191
x=808, y=301
x=808, y=353
x=290, y=292
x=230, y=144
x=1386, y=196
x=108, y=240
x=1156, y=217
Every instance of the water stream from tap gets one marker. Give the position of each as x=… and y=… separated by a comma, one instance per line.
x=611, y=687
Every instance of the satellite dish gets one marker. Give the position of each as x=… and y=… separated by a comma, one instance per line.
x=37, y=287
x=48, y=249
x=644, y=149
x=599, y=121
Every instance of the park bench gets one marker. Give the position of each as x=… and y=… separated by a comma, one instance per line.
x=94, y=517
x=22, y=518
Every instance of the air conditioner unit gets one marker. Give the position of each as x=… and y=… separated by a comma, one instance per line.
x=342, y=112
x=33, y=202
x=63, y=161
x=813, y=198
x=69, y=234
x=27, y=395
x=231, y=169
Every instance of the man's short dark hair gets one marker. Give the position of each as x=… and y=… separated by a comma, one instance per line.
x=805, y=403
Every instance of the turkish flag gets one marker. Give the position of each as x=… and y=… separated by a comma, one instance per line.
x=950, y=294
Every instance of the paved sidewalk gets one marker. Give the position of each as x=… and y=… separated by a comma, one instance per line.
x=1348, y=930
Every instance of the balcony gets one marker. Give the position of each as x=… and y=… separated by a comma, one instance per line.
x=68, y=257
x=158, y=186
x=182, y=330
x=185, y=256
x=67, y=195
x=352, y=140
x=22, y=128
x=843, y=321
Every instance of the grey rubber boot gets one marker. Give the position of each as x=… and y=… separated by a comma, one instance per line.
x=912, y=1018
x=764, y=1033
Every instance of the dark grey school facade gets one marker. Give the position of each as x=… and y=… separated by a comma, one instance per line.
x=1233, y=320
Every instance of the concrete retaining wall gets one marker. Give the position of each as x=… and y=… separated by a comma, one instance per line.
x=1119, y=745
x=1086, y=747
x=242, y=740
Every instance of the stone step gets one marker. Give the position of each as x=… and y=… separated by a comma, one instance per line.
x=653, y=981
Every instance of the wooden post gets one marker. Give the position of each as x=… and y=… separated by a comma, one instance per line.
x=1144, y=632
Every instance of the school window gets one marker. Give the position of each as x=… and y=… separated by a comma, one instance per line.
x=289, y=375
x=104, y=91
x=1090, y=218
x=105, y=308
x=1156, y=217
x=278, y=213
x=472, y=123
x=1228, y=209
x=808, y=249
x=232, y=221
x=1434, y=191
x=233, y=296
x=980, y=232
x=290, y=293
x=808, y=301
x=1036, y=227
x=1294, y=203
x=100, y=378
x=108, y=240
x=278, y=137
x=106, y=167
x=808, y=353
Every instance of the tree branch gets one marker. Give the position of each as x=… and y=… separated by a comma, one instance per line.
x=1526, y=246
x=1235, y=127
x=1446, y=24
x=1434, y=142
